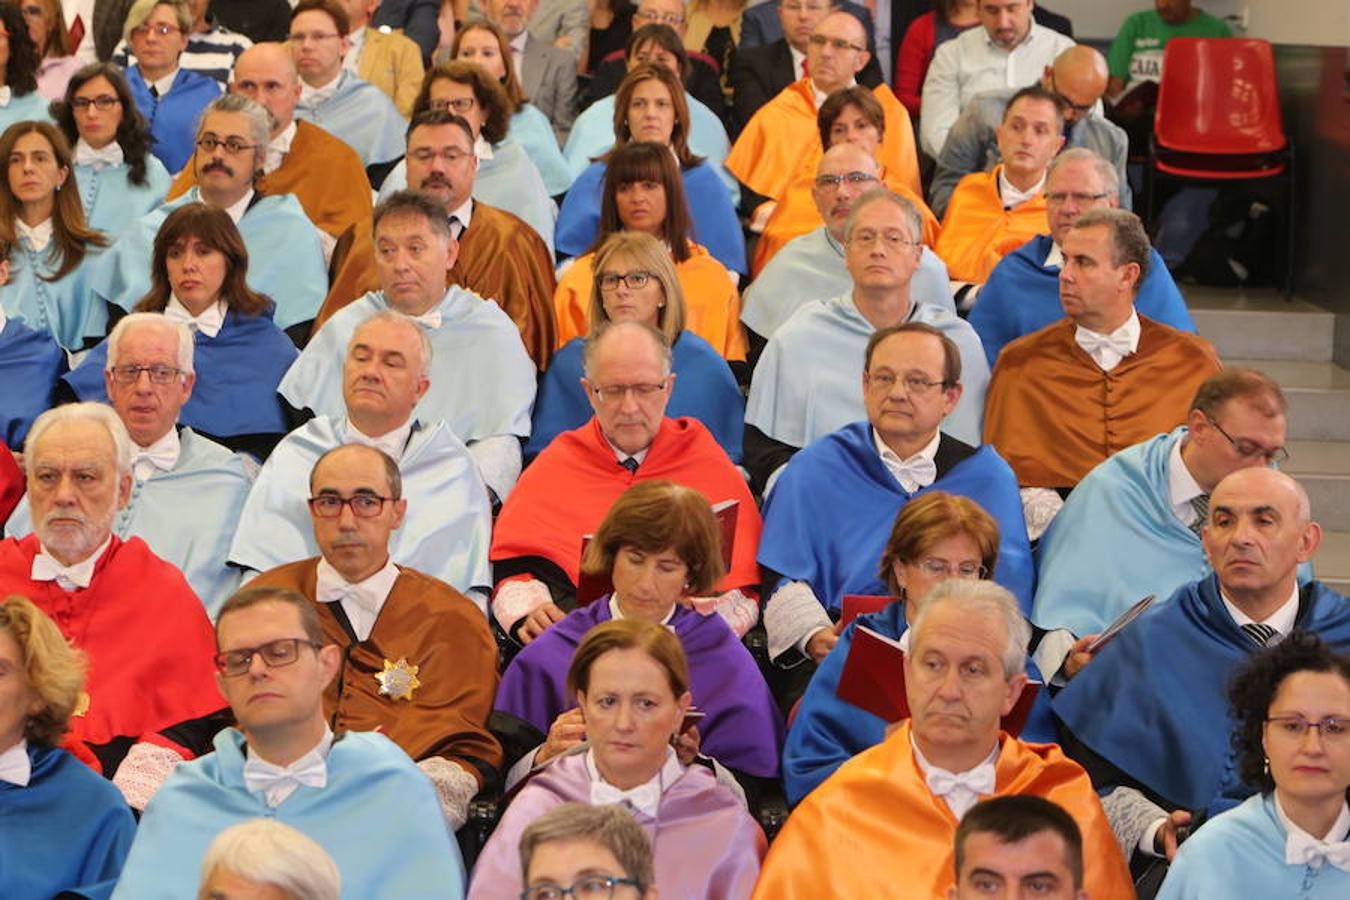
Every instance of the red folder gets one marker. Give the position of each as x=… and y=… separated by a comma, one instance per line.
x=873, y=680
x=593, y=586
x=854, y=605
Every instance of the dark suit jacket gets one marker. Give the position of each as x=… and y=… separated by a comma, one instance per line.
x=757, y=75
x=258, y=20
x=702, y=83
x=760, y=25
x=417, y=19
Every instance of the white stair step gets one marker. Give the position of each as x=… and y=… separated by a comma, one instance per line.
x=1323, y=468
x=1262, y=325
x=1318, y=394
x=1332, y=561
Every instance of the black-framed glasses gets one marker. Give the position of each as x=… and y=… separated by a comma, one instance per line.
x=1079, y=108
x=364, y=506
x=451, y=155
x=587, y=887
x=278, y=653
x=159, y=373
x=1332, y=728
x=1082, y=198
x=103, y=101
x=614, y=393
x=163, y=29
x=940, y=568
x=833, y=181
x=301, y=37
x=609, y=281
x=232, y=144
x=916, y=385
x=459, y=105
x=1250, y=449
x=820, y=40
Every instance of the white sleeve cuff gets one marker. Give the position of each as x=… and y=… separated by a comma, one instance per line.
x=144, y=771
x=499, y=462
x=455, y=788
x=521, y=770
x=1147, y=841
x=517, y=599
x=791, y=616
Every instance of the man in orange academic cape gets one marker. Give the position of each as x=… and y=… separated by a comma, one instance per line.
x=897, y=805
x=500, y=258
x=323, y=173
x=782, y=138
x=1064, y=398
x=993, y=213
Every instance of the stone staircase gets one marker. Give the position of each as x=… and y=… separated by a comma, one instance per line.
x=1292, y=342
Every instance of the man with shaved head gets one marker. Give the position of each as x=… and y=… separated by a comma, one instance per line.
x=1078, y=78
x=1149, y=716
x=323, y=173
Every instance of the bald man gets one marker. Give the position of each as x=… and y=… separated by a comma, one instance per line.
x=1078, y=78
x=1149, y=715
x=323, y=173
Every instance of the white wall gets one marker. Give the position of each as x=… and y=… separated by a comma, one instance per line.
x=1320, y=23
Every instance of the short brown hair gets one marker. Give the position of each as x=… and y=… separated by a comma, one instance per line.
x=651, y=256
x=679, y=135
x=54, y=669
x=657, y=641
x=1257, y=389
x=1037, y=93
x=330, y=8
x=929, y=519
x=1129, y=240
x=951, y=354
x=610, y=827
x=661, y=515
x=254, y=595
x=1014, y=818
x=214, y=228
x=645, y=161
x=490, y=95
x=842, y=99
x=511, y=80
x=391, y=472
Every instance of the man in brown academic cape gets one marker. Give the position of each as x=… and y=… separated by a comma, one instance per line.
x=1066, y=397
x=500, y=257
x=323, y=173
x=418, y=662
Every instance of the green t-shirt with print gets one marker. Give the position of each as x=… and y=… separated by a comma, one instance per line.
x=1136, y=53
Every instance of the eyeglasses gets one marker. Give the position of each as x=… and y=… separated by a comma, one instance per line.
x=614, y=393
x=1081, y=109
x=313, y=37
x=159, y=373
x=163, y=29
x=820, y=40
x=940, y=568
x=609, y=281
x=671, y=19
x=275, y=654
x=458, y=104
x=893, y=238
x=103, y=102
x=364, y=506
x=833, y=181
x=588, y=887
x=232, y=145
x=449, y=154
x=1078, y=197
x=1332, y=728
x=915, y=385
x=1250, y=449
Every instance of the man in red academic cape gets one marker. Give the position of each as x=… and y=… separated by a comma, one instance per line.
x=565, y=493
x=151, y=696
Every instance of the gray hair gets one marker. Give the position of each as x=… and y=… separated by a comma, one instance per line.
x=885, y=195
x=265, y=851
x=1129, y=240
x=597, y=336
x=392, y=315
x=972, y=597
x=142, y=9
x=186, y=345
x=260, y=121
x=608, y=826
x=1110, y=178
x=99, y=413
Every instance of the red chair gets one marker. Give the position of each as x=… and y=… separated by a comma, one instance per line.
x=1218, y=121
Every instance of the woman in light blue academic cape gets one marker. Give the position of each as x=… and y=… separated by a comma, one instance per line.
x=483, y=43
x=52, y=250
x=1290, y=840
x=19, y=97
x=650, y=106
x=118, y=178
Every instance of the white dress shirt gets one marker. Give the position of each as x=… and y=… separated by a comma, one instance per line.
x=1011, y=195
x=313, y=96
x=798, y=63
x=646, y=797
x=237, y=209
x=110, y=154
x=621, y=456
x=963, y=790
x=917, y=471
x=276, y=783
x=460, y=217
x=1182, y=487
x=1281, y=620
x=391, y=442
x=15, y=766
x=1055, y=258
x=352, y=61
x=208, y=322
x=821, y=95
x=481, y=148
x=161, y=456
x=163, y=85
x=68, y=578
x=361, y=601
x=36, y=237
x=615, y=612
x=517, y=45
x=1302, y=848
x=277, y=148
x=1107, y=350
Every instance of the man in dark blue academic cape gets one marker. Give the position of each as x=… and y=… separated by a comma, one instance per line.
x=1149, y=716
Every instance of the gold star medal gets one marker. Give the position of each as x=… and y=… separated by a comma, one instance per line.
x=398, y=680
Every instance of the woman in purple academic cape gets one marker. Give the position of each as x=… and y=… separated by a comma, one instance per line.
x=660, y=544
x=631, y=682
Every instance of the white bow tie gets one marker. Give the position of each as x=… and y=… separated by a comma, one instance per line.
x=5, y=94
x=919, y=469
x=1301, y=850
x=430, y=319
x=1107, y=349
x=45, y=568
x=362, y=595
x=110, y=155
x=279, y=782
x=145, y=462
x=645, y=798
x=15, y=766
x=957, y=789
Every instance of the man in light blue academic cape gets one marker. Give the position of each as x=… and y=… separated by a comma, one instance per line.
x=1022, y=293
x=1132, y=527
x=285, y=252
x=812, y=266
x=806, y=384
x=333, y=97
x=482, y=380
x=187, y=491
x=357, y=795
x=851, y=484
x=447, y=531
